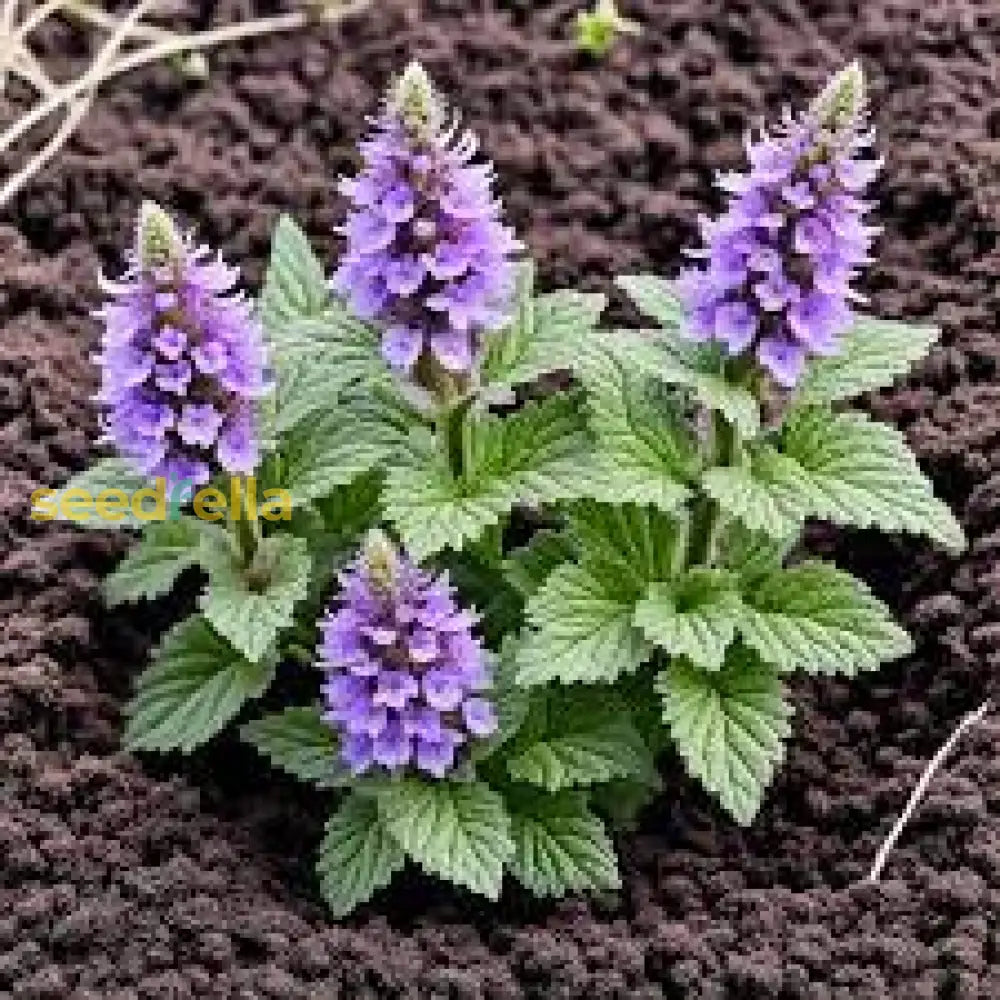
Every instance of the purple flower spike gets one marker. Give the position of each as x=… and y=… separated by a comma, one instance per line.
x=779, y=264
x=427, y=256
x=405, y=674
x=182, y=359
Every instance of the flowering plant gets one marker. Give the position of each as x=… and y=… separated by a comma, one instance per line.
x=513, y=609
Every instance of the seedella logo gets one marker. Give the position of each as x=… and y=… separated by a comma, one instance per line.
x=157, y=503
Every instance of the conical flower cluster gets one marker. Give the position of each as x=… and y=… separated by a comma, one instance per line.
x=182, y=359
x=405, y=674
x=779, y=264
x=427, y=257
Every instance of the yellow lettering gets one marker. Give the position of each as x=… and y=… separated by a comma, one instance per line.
x=42, y=508
x=112, y=504
x=209, y=504
x=277, y=505
x=75, y=504
x=159, y=497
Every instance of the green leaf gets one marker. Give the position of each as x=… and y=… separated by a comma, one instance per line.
x=543, y=336
x=668, y=358
x=728, y=727
x=195, y=685
x=560, y=846
x=643, y=452
x=298, y=741
x=166, y=549
x=533, y=456
x=872, y=354
x=295, y=285
x=583, y=614
x=841, y=468
x=528, y=567
x=655, y=297
x=332, y=450
x=312, y=380
x=752, y=554
x=250, y=607
x=459, y=831
x=583, y=629
x=587, y=750
x=694, y=617
x=357, y=856
x=816, y=618
x=104, y=474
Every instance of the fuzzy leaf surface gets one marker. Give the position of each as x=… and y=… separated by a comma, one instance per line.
x=560, y=846
x=695, y=617
x=532, y=456
x=728, y=726
x=250, y=607
x=872, y=354
x=816, y=618
x=544, y=335
x=195, y=685
x=298, y=741
x=357, y=856
x=166, y=549
x=643, y=452
x=459, y=831
x=333, y=450
x=582, y=751
x=841, y=468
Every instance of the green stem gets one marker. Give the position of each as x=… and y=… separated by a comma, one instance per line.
x=722, y=447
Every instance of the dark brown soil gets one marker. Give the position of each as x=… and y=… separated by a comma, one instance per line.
x=169, y=879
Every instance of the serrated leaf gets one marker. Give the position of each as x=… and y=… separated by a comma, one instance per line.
x=166, y=549
x=528, y=567
x=543, y=335
x=532, y=456
x=673, y=361
x=459, y=831
x=104, y=474
x=298, y=741
x=357, y=856
x=332, y=450
x=694, y=617
x=625, y=543
x=643, y=452
x=752, y=554
x=250, y=607
x=839, y=467
x=295, y=285
x=653, y=296
x=728, y=727
x=561, y=847
x=816, y=618
x=581, y=751
x=195, y=685
x=583, y=629
x=872, y=354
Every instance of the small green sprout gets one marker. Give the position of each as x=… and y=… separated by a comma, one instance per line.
x=598, y=29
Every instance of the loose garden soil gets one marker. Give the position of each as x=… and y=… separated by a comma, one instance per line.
x=124, y=878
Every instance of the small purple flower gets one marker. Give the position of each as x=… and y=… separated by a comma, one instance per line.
x=427, y=256
x=404, y=672
x=182, y=359
x=780, y=262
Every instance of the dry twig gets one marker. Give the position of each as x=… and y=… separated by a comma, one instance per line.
x=970, y=720
x=74, y=97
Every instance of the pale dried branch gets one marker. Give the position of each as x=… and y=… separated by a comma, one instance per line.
x=970, y=720
x=80, y=105
x=154, y=44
